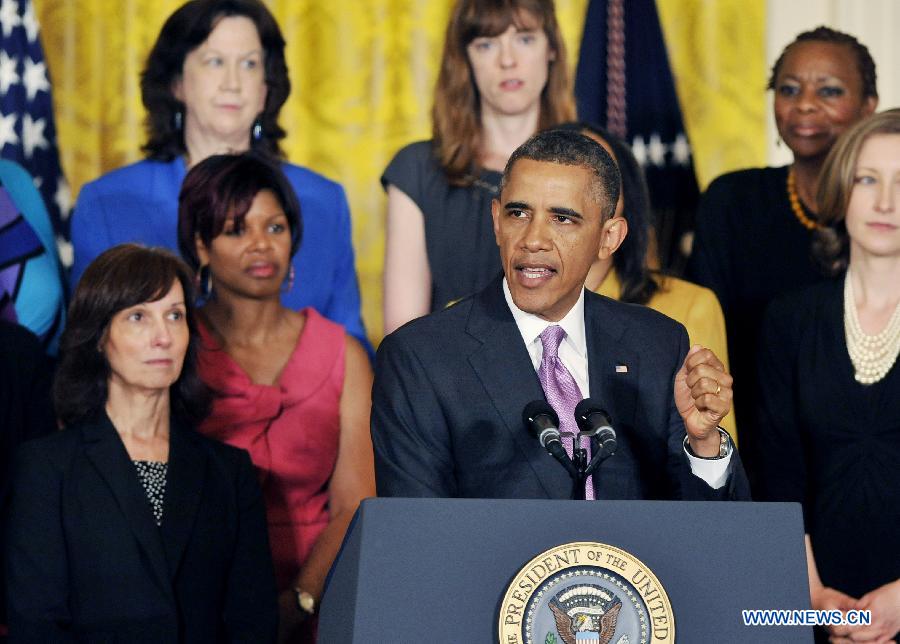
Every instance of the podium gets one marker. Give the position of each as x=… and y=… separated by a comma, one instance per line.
x=437, y=570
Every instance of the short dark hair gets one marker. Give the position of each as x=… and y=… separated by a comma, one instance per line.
x=630, y=260
x=831, y=242
x=123, y=276
x=224, y=186
x=184, y=31
x=567, y=147
x=864, y=62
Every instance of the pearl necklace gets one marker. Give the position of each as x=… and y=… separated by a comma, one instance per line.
x=872, y=355
x=796, y=206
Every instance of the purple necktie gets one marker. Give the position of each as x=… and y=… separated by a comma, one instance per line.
x=562, y=393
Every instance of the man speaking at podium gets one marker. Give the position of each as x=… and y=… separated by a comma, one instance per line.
x=450, y=387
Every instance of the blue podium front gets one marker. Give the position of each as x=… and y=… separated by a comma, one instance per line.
x=565, y=572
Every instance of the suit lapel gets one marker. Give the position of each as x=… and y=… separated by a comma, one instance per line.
x=184, y=487
x=108, y=455
x=613, y=370
x=504, y=368
x=613, y=366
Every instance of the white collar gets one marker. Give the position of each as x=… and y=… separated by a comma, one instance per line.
x=531, y=326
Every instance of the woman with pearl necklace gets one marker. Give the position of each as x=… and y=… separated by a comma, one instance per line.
x=830, y=417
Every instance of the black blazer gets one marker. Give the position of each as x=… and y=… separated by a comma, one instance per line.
x=26, y=409
x=87, y=563
x=450, y=388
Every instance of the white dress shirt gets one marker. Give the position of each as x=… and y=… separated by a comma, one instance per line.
x=573, y=354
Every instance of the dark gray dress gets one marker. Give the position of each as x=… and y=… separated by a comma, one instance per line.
x=459, y=235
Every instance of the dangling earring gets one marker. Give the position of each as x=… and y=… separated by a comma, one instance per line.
x=290, y=281
x=178, y=120
x=257, y=131
x=205, y=283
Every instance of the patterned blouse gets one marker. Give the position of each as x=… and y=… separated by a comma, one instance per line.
x=153, y=477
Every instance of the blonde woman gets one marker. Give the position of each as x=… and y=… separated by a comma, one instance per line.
x=829, y=354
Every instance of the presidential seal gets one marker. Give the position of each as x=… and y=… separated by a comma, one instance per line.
x=584, y=592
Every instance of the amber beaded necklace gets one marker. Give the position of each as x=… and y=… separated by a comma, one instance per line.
x=796, y=206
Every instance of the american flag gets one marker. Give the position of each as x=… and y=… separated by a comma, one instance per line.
x=27, y=131
x=624, y=82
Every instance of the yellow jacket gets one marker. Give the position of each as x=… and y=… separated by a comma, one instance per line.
x=696, y=308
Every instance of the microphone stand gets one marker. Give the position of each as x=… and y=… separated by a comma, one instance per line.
x=601, y=455
x=579, y=459
x=583, y=469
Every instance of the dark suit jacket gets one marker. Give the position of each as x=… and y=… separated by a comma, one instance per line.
x=450, y=388
x=86, y=561
x=26, y=409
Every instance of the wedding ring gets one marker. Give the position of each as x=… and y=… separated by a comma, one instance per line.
x=718, y=388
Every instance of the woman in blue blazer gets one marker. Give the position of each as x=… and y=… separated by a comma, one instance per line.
x=127, y=525
x=214, y=83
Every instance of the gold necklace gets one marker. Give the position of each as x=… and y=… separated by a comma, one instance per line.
x=796, y=206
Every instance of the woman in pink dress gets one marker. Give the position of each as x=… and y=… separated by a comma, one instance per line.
x=294, y=388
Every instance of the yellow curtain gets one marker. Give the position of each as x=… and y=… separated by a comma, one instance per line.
x=717, y=54
x=363, y=73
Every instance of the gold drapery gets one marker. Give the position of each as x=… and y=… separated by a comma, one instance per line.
x=717, y=54
x=362, y=73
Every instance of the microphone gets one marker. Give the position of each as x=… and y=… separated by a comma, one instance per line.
x=543, y=423
x=593, y=421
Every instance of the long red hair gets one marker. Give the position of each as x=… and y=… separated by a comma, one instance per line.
x=456, y=115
